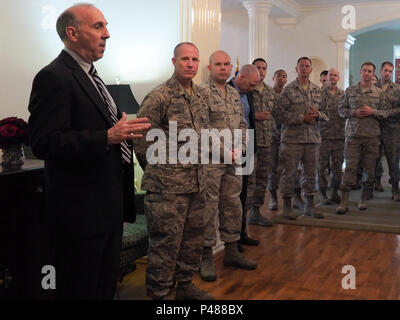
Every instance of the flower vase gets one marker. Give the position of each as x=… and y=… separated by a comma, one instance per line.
x=12, y=155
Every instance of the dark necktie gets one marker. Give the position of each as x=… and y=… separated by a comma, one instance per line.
x=126, y=152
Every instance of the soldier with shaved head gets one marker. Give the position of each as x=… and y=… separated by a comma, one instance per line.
x=332, y=139
x=175, y=198
x=223, y=185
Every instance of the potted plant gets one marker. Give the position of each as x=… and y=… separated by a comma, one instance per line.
x=13, y=132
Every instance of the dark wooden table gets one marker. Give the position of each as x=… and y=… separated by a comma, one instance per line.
x=24, y=243
x=28, y=165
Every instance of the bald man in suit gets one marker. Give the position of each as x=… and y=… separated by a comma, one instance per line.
x=78, y=130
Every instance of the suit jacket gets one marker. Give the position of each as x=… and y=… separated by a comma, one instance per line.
x=252, y=124
x=87, y=188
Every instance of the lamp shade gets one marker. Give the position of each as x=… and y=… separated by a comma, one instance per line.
x=123, y=97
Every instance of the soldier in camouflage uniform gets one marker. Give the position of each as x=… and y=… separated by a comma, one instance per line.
x=332, y=139
x=175, y=199
x=264, y=102
x=223, y=185
x=362, y=105
x=280, y=79
x=378, y=167
x=324, y=78
x=298, y=111
x=390, y=127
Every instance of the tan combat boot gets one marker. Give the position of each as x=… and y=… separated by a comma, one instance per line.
x=395, y=192
x=334, y=197
x=311, y=210
x=255, y=217
x=273, y=200
x=324, y=197
x=233, y=258
x=188, y=291
x=343, y=207
x=378, y=185
x=298, y=202
x=287, y=209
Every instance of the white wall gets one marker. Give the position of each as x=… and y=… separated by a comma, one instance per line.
x=143, y=35
x=234, y=37
x=375, y=46
x=310, y=37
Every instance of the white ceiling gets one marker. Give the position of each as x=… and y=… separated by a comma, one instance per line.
x=237, y=4
x=322, y=3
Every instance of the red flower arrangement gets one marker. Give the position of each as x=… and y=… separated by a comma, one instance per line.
x=13, y=130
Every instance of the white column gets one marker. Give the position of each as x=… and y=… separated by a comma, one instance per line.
x=258, y=12
x=343, y=45
x=340, y=63
x=185, y=24
x=200, y=23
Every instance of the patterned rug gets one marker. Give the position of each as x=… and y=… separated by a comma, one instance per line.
x=382, y=215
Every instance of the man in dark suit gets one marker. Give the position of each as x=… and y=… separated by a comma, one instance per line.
x=245, y=82
x=78, y=130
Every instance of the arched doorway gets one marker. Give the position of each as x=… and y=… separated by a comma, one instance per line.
x=318, y=65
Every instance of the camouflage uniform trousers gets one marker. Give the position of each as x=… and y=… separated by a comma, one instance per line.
x=390, y=144
x=330, y=157
x=366, y=151
x=277, y=168
x=176, y=233
x=274, y=176
x=223, y=187
x=379, y=165
x=291, y=154
x=258, y=180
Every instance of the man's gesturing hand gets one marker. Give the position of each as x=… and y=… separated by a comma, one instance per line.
x=124, y=130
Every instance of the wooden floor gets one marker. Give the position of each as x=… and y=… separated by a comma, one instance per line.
x=297, y=262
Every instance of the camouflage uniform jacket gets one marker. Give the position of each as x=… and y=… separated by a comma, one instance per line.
x=334, y=128
x=225, y=112
x=392, y=96
x=276, y=127
x=264, y=100
x=291, y=106
x=170, y=102
x=354, y=99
